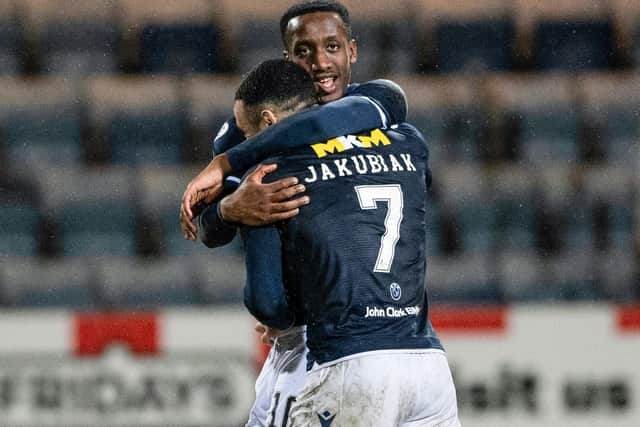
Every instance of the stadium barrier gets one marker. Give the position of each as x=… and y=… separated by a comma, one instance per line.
x=551, y=365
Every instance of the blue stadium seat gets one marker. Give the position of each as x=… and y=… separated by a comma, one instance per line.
x=257, y=40
x=161, y=192
x=574, y=275
x=180, y=49
x=175, y=37
x=141, y=118
x=463, y=192
x=573, y=36
x=98, y=228
x=514, y=208
x=462, y=279
x=41, y=121
x=10, y=40
x=432, y=221
x=574, y=45
x=611, y=102
x=147, y=137
x=74, y=38
x=19, y=230
x=37, y=283
x=146, y=283
x=468, y=37
x=445, y=110
x=521, y=276
x=210, y=105
x=221, y=276
x=618, y=272
x=547, y=118
x=93, y=209
x=611, y=189
x=473, y=46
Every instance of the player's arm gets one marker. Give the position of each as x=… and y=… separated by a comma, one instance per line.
x=264, y=293
x=253, y=204
x=374, y=104
x=213, y=230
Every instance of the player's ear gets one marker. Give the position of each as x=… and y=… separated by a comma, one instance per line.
x=285, y=54
x=353, y=51
x=267, y=118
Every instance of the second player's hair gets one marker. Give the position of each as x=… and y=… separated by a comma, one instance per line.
x=278, y=84
x=306, y=7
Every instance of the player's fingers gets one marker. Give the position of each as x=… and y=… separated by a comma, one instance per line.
x=281, y=216
x=186, y=202
x=287, y=193
x=259, y=173
x=283, y=183
x=290, y=205
x=189, y=229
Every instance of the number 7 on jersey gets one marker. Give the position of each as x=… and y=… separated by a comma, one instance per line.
x=368, y=197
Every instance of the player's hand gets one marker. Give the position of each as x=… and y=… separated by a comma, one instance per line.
x=267, y=334
x=255, y=203
x=201, y=191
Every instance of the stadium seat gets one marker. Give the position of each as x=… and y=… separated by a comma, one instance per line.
x=569, y=222
x=93, y=209
x=574, y=276
x=174, y=37
x=463, y=279
x=464, y=193
x=626, y=14
x=210, y=105
x=38, y=283
x=145, y=283
x=470, y=36
x=142, y=119
x=10, y=39
x=612, y=189
x=19, y=231
x=74, y=38
x=447, y=112
x=41, y=121
x=386, y=38
x=161, y=192
x=221, y=276
x=544, y=106
x=432, y=220
x=521, y=275
x=571, y=35
x=254, y=29
x=514, y=209
x=618, y=273
x=611, y=103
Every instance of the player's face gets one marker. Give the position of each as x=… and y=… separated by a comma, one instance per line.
x=318, y=42
x=242, y=120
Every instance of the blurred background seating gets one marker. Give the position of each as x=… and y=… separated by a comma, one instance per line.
x=108, y=108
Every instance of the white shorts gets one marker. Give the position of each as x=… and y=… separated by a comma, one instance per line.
x=390, y=388
x=281, y=379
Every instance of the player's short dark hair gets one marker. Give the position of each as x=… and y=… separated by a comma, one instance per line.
x=306, y=7
x=277, y=83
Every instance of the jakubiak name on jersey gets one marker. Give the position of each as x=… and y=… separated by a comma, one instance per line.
x=360, y=164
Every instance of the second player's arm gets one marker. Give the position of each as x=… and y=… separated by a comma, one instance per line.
x=264, y=293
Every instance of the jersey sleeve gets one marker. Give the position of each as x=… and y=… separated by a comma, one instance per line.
x=214, y=231
x=264, y=292
x=349, y=115
x=388, y=95
x=228, y=136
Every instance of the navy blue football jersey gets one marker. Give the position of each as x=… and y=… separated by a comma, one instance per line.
x=353, y=260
